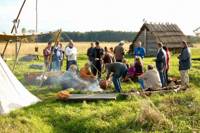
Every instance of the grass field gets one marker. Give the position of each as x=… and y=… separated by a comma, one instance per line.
x=172, y=112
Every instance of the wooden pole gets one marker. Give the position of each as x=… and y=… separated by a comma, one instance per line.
x=145, y=38
x=50, y=60
x=17, y=18
x=36, y=16
x=17, y=53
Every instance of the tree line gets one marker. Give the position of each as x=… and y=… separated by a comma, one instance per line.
x=105, y=36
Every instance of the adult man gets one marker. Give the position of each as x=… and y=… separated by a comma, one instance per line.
x=90, y=53
x=139, y=50
x=47, y=56
x=184, y=63
x=150, y=79
x=119, y=52
x=118, y=70
x=161, y=63
x=98, y=53
x=71, y=54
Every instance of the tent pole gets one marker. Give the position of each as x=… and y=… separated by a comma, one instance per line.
x=17, y=18
x=17, y=53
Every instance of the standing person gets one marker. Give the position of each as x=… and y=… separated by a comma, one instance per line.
x=119, y=52
x=56, y=57
x=139, y=50
x=184, y=63
x=98, y=53
x=112, y=50
x=47, y=56
x=71, y=54
x=161, y=63
x=108, y=57
x=167, y=62
x=118, y=70
x=90, y=52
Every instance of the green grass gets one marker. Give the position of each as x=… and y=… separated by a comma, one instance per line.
x=172, y=112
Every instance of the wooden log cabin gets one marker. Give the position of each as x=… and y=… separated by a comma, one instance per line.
x=150, y=34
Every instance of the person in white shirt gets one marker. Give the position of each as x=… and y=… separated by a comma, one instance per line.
x=71, y=54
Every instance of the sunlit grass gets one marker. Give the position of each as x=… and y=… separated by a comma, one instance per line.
x=172, y=112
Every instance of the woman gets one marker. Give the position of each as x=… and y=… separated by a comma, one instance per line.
x=86, y=74
x=135, y=69
x=57, y=54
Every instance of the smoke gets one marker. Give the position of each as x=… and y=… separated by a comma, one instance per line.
x=72, y=80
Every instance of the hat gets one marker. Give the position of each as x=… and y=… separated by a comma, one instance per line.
x=121, y=42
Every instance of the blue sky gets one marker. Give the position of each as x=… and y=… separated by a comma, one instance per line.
x=95, y=15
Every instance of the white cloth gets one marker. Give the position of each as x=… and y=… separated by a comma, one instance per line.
x=71, y=53
x=13, y=94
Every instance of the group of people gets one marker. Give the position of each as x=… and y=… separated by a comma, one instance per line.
x=54, y=56
x=113, y=62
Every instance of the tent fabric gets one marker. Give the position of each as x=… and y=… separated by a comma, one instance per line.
x=13, y=94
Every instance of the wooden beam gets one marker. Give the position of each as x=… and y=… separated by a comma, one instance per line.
x=17, y=18
x=92, y=97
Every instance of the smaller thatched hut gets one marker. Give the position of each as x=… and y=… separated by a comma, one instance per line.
x=150, y=34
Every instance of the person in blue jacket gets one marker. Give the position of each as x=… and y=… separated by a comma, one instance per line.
x=139, y=51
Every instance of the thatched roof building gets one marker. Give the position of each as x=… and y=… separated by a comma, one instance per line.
x=150, y=34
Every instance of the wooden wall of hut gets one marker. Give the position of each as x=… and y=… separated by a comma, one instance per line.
x=150, y=45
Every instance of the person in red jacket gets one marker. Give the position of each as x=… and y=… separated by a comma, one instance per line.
x=167, y=62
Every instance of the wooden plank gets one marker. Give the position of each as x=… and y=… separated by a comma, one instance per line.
x=101, y=96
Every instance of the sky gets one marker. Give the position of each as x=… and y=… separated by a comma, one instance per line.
x=97, y=15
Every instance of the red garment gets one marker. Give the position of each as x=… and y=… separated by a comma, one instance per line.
x=47, y=53
x=167, y=60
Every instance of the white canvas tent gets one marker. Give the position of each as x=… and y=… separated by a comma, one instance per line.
x=13, y=94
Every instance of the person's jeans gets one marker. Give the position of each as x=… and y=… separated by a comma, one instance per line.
x=56, y=65
x=162, y=78
x=117, y=84
x=116, y=80
x=141, y=82
x=71, y=62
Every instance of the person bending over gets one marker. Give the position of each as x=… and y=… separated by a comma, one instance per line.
x=118, y=70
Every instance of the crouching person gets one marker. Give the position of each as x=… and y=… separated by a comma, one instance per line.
x=86, y=74
x=150, y=79
x=118, y=70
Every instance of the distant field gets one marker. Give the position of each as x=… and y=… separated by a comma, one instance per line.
x=197, y=45
x=28, y=48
